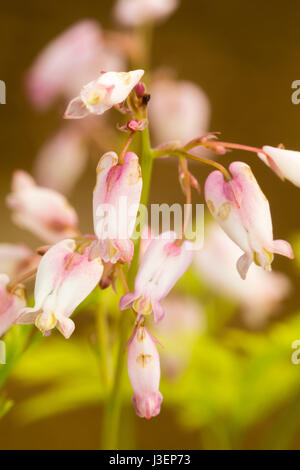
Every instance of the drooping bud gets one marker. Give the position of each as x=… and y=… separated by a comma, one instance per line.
x=144, y=373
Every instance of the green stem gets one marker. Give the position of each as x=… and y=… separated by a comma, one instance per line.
x=103, y=343
x=111, y=424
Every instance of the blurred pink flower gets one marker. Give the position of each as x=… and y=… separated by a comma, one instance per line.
x=179, y=111
x=16, y=258
x=138, y=12
x=144, y=373
x=70, y=61
x=11, y=303
x=110, y=89
x=61, y=160
x=259, y=295
x=64, y=279
x=42, y=211
x=162, y=265
x=243, y=212
x=286, y=162
x=115, y=205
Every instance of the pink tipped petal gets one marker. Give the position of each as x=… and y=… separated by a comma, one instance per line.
x=27, y=316
x=282, y=247
x=65, y=326
x=127, y=300
x=76, y=109
x=163, y=263
x=126, y=250
x=243, y=264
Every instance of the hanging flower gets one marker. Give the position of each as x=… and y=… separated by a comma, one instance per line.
x=242, y=210
x=144, y=373
x=16, y=258
x=115, y=205
x=40, y=210
x=110, y=89
x=162, y=265
x=64, y=279
x=286, y=163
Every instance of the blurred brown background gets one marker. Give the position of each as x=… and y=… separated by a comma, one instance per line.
x=245, y=55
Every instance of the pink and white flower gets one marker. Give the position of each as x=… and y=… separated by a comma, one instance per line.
x=243, y=212
x=144, y=373
x=11, y=303
x=178, y=110
x=43, y=211
x=259, y=295
x=110, y=89
x=70, y=61
x=138, y=12
x=162, y=265
x=115, y=205
x=62, y=160
x=64, y=279
x=286, y=163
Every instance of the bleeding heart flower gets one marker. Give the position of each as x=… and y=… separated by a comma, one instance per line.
x=43, y=211
x=110, y=89
x=144, y=373
x=115, y=205
x=138, y=12
x=243, y=211
x=64, y=279
x=286, y=163
x=162, y=265
x=11, y=303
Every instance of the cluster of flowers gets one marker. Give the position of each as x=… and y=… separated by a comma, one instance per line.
x=72, y=264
